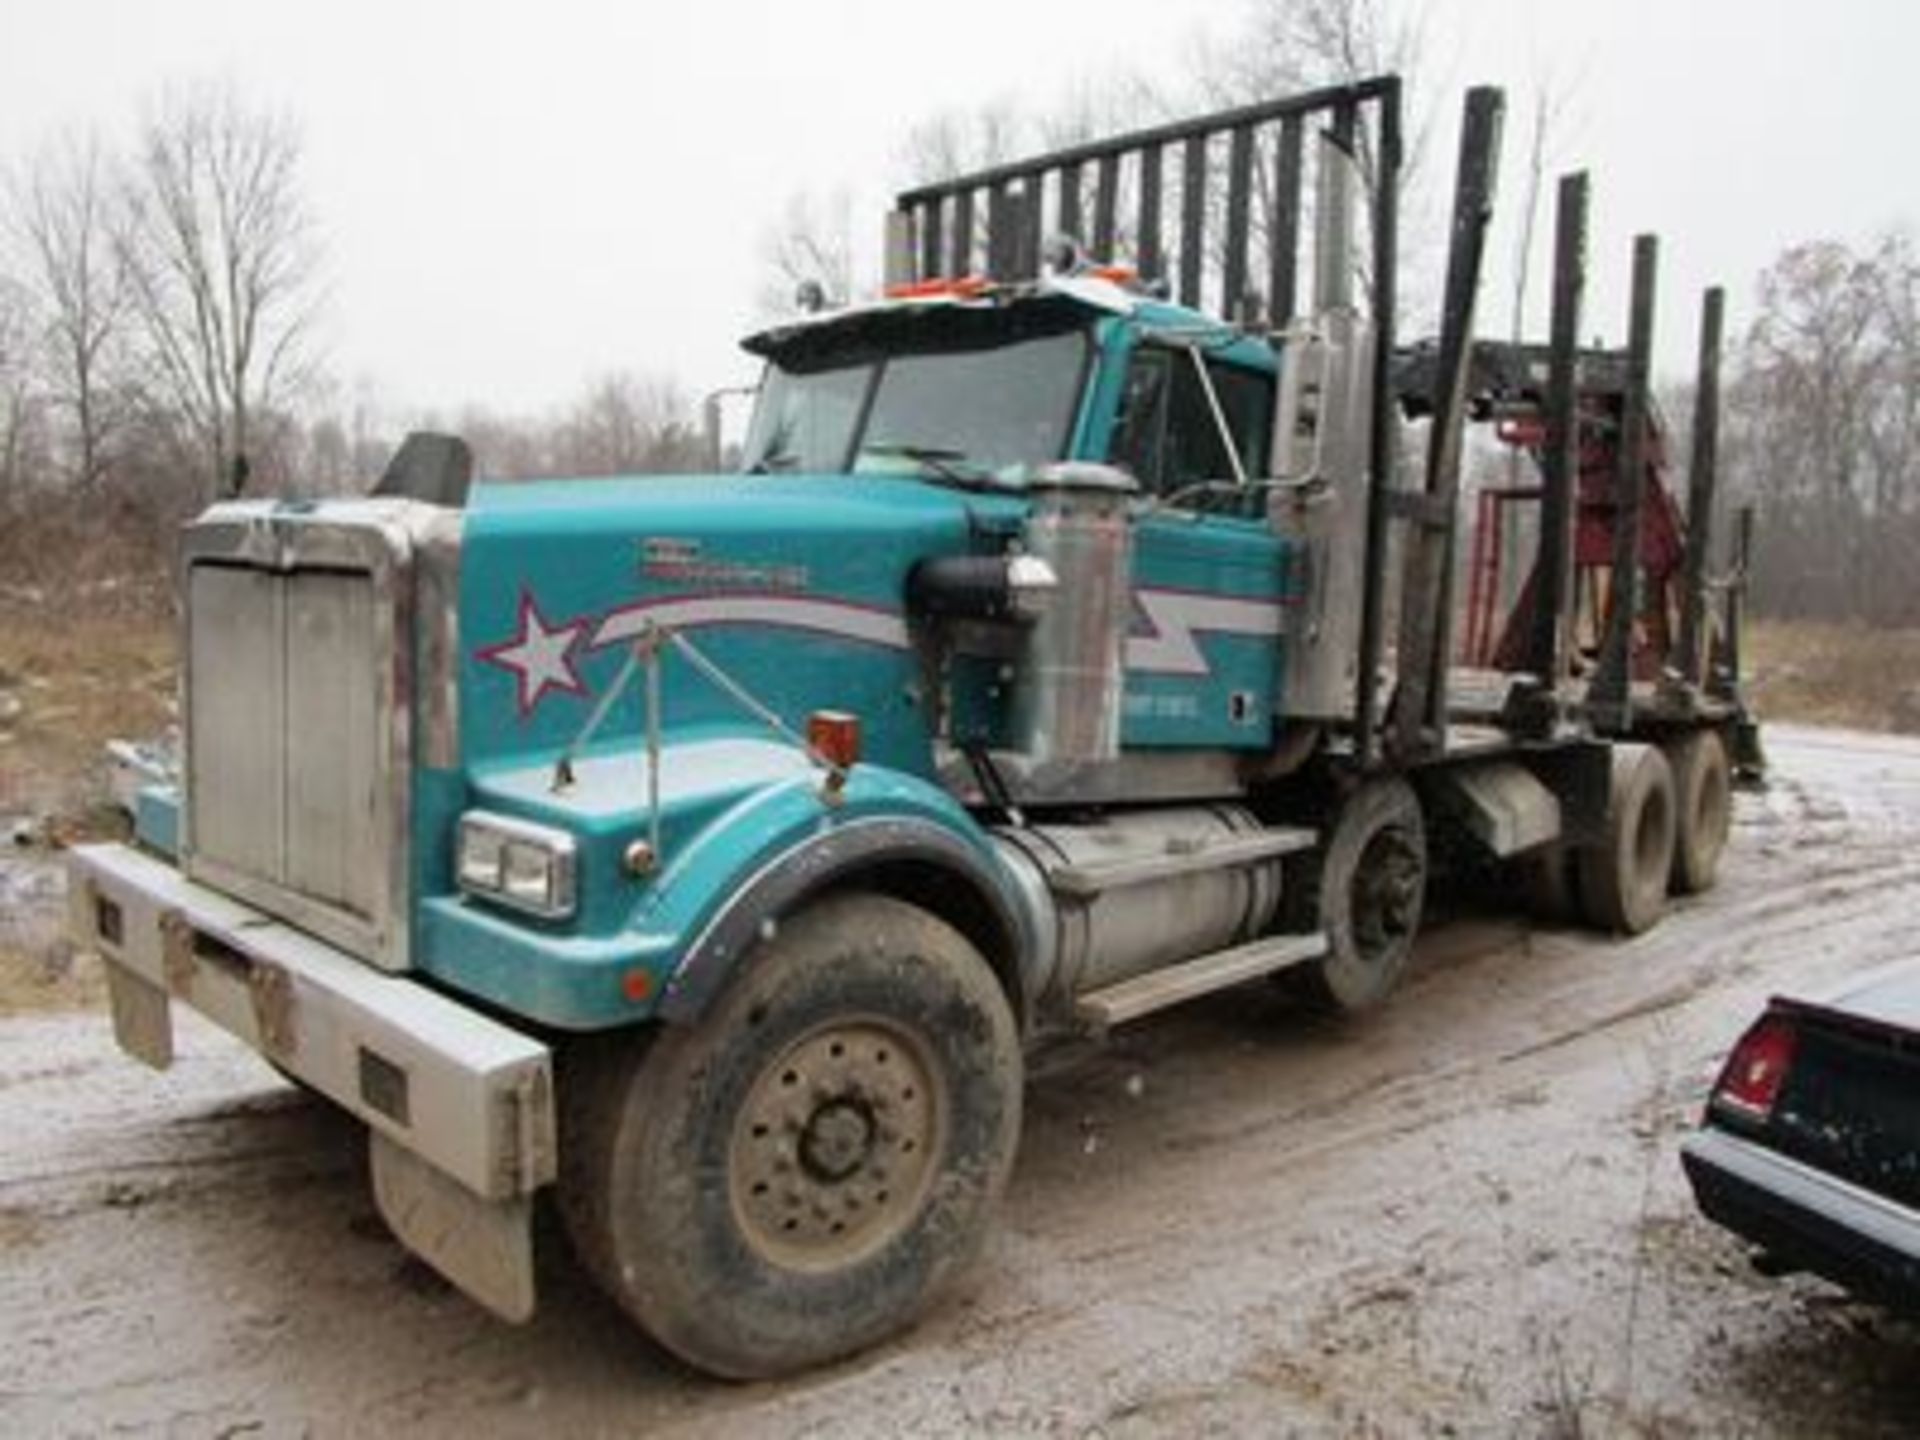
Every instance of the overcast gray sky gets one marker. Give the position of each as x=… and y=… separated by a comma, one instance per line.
x=514, y=197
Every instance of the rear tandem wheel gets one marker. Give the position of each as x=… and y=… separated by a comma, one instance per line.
x=1703, y=796
x=1622, y=881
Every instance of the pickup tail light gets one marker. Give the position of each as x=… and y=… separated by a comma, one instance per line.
x=1751, y=1081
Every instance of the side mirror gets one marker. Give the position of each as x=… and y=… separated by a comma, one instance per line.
x=1300, y=403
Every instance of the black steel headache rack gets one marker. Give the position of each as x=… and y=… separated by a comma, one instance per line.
x=1242, y=178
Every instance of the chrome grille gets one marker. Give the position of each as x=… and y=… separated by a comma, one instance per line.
x=298, y=698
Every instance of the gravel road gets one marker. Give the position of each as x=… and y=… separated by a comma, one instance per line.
x=1465, y=1216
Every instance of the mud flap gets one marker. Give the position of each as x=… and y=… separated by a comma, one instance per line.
x=142, y=1019
x=483, y=1246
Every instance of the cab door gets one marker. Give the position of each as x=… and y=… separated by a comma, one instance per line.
x=1203, y=650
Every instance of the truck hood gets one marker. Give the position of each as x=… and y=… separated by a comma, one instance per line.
x=794, y=584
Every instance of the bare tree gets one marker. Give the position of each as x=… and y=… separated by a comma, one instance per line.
x=1285, y=47
x=503, y=448
x=625, y=425
x=223, y=260
x=1822, y=428
x=954, y=142
x=62, y=214
x=1894, y=436
x=18, y=404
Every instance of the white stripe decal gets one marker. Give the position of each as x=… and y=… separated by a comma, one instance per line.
x=825, y=617
x=1177, y=619
x=1177, y=616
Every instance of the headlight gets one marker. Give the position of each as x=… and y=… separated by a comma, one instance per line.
x=518, y=863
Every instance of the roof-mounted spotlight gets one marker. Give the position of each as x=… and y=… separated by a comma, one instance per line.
x=1062, y=255
x=810, y=296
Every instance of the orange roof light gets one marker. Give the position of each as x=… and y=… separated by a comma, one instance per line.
x=964, y=287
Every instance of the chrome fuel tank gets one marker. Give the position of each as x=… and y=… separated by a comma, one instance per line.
x=1137, y=891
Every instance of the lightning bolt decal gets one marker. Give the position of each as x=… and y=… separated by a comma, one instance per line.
x=1175, y=618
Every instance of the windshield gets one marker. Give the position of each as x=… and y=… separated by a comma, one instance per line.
x=984, y=413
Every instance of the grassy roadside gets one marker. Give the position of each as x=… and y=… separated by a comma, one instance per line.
x=1825, y=674
x=68, y=684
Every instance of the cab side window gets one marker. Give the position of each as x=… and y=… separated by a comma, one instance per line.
x=1166, y=435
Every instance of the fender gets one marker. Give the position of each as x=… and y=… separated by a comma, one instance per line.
x=748, y=837
x=975, y=897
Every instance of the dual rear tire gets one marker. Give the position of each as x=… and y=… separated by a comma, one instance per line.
x=1669, y=813
x=1623, y=880
x=1703, y=797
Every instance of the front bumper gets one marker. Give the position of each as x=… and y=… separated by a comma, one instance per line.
x=1806, y=1217
x=460, y=1107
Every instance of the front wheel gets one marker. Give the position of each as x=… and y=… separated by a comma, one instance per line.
x=799, y=1173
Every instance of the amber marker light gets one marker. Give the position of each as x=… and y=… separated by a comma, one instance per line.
x=834, y=736
x=962, y=287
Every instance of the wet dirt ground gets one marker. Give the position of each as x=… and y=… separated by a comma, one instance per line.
x=1463, y=1217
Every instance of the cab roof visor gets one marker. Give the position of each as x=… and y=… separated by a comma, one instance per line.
x=870, y=331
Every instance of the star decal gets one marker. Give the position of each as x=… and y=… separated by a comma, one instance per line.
x=540, y=656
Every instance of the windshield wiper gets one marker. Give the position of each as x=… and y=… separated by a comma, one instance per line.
x=774, y=460
x=939, y=462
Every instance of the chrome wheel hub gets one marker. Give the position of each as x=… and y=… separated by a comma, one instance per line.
x=833, y=1152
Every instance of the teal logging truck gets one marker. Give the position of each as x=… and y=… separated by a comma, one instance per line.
x=712, y=849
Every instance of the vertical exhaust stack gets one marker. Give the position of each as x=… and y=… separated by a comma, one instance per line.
x=1323, y=422
x=1071, y=671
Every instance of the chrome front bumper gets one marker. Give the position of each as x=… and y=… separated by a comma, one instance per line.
x=460, y=1107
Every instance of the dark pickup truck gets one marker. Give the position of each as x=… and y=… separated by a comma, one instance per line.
x=1810, y=1146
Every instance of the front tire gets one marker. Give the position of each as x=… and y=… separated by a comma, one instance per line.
x=798, y=1174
